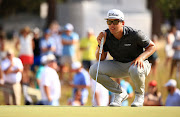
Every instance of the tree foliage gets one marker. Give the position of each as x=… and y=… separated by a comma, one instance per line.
x=9, y=7
x=169, y=6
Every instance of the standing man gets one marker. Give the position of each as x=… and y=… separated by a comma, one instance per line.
x=69, y=41
x=173, y=98
x=12, y=68
x=50, y=84
x=88, y=46
x=129, y=48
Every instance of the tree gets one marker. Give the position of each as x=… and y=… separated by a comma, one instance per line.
x=170, y=9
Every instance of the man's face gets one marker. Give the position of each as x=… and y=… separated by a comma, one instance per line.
x=170, y=89
x=10, y=56
x=115, y=25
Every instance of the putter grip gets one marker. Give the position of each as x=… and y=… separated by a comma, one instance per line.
x=101, y=46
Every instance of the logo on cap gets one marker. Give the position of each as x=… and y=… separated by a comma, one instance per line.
x=113, y=14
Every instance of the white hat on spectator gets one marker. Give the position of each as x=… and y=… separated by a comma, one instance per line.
x=68, y=27
x=50, y=57
x=76, y=65
x=171, y=82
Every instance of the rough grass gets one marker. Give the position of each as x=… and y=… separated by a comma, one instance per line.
x=65, y=111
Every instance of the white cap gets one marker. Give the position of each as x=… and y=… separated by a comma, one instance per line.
x=50, y=57
x=171, y=82
x=76, y=65
x=115, y=14
x=69, y=27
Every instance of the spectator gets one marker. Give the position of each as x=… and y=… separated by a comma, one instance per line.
x=81, y=81
x=88, y=47
x=12, y=69
x=76, y=101
x=37, y=48
x=33, y=95
x=101, y=94
x=124, y=84
x=40, y=70
x=1, y=77
x=47, y=44
x=56, y=36
x=173, y=98
x=2, y=48
x=152, y=97
x=26, y=52
x=69, y=40
x=50, y=84
x=169, y=43
x=176, y=56
x=153, y=59
x=2, y=56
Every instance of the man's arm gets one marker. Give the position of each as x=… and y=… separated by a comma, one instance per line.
x=47, y=91
x=148, y=52
x=68, y=42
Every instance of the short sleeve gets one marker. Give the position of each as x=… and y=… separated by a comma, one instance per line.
x=142, y=39
x=4, y=65
x=20, y=65
x=105, y=47
x=45, y=78
x=75, y=36
x=42, y=43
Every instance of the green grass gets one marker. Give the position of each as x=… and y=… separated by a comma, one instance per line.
x=65, y=111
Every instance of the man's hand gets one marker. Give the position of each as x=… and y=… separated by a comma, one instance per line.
x=139, y=62
x=99, y=38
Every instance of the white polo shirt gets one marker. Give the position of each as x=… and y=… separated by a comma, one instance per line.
x=12, y=77
x=50, y=78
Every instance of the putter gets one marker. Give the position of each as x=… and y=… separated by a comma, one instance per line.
x=100, y=52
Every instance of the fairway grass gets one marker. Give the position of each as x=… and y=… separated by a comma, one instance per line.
x=67, y=111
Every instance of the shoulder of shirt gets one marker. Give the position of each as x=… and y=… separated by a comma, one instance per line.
x=129, y=30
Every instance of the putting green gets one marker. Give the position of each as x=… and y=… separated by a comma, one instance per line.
x=67, y=111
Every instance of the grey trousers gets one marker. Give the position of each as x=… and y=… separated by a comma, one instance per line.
x=115, y=69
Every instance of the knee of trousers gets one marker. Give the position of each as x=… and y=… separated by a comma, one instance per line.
x=136, y=72
x=93, y=70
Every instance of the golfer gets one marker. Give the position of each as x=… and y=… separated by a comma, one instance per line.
x=129, y=48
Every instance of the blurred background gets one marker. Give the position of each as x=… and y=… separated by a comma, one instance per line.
x=153, y=17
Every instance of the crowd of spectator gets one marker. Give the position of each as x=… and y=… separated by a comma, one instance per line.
x=48, y=60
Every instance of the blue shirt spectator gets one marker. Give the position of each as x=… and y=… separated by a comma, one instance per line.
x=69, y=49
x=173, y=100
x=81, y=81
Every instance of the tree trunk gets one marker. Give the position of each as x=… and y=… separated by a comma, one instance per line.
x=51, y=12
x=156, y=17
